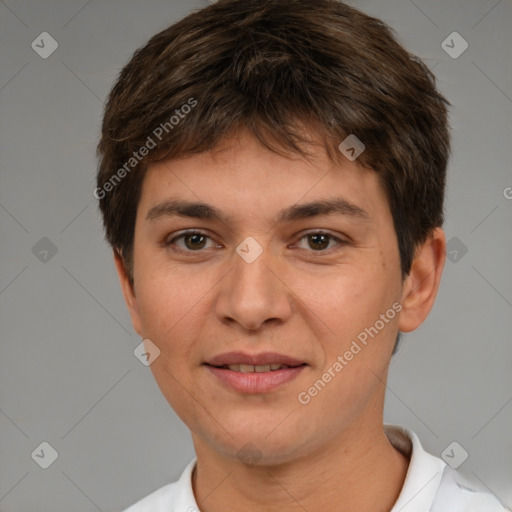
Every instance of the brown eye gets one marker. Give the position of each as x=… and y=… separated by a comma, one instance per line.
x=193, y=241
x=320, y=242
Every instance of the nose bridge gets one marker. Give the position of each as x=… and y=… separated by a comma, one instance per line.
x=252, y=277
x=253, y=294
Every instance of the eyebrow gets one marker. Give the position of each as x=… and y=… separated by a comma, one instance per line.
x=200, y=210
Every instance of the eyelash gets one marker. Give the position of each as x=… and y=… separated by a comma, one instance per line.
x=340, y=242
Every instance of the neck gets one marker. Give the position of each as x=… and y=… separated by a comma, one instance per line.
x=361, y=471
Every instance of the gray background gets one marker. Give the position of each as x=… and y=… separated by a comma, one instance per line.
x=68, y=373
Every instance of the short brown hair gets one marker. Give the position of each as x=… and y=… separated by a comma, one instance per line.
x=274, y=67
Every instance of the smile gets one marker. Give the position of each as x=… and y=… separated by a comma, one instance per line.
x=249, y=368
x=255, y=379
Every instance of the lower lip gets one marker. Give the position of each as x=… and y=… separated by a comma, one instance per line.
x=256, y=382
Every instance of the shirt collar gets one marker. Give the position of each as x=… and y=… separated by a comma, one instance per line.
x=423, y=475
x=183, y=497
x=418, y=491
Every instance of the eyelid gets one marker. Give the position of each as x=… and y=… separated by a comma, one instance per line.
x=340, y=241
x=192, y=231
x=167, y=241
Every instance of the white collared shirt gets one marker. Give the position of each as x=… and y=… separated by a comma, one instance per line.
x=430, y=485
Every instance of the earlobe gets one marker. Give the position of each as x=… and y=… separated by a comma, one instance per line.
x=128, y=292
x=422, y=284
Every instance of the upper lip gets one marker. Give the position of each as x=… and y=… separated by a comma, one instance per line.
x=263, y=358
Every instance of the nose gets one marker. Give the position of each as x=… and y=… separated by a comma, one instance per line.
x=253, y=293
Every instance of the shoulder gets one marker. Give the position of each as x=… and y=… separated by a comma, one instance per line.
x=431, y=484
x=458, y=492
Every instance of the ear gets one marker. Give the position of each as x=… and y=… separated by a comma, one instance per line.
x=128, y=292
x=421, y=285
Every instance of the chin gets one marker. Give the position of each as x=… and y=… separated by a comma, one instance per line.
x=262, y=452
x=267, y=443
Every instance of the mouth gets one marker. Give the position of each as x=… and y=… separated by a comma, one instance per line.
x=253, y=374
x=260, y=368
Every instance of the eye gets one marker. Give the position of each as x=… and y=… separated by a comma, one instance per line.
x=319, y=241
x=192, y=241
x=196, y=241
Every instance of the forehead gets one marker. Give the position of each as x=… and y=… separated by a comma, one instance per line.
x=242, y=178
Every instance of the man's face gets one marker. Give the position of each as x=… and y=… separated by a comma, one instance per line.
x=318, y=283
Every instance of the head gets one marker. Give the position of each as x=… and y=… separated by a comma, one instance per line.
x=240, y=108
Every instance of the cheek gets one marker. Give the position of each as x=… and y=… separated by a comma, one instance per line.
x=172, y=306
x=161, y=291
x=170, y=310
x=347, y=307
x=344, y=299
